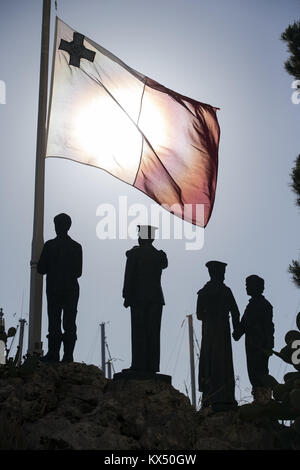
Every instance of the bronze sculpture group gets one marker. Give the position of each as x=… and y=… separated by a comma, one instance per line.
x=61, y=261
x=216, y=374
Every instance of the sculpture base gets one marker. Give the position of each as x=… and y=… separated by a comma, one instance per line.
x=131, y=374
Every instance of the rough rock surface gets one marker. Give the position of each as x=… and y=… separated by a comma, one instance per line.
x=72, y=406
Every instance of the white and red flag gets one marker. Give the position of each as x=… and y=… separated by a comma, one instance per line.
x=105, y=114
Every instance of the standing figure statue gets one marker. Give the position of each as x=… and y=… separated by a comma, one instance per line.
x=258, y=327
x=61, y=261
x=216, y=373
x=143, y=293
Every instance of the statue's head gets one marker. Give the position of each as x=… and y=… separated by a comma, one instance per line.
x=254, y=285
x=62, y=223
x=216, y=270
x=146, y=234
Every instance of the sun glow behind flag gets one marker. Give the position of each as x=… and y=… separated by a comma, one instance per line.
x=105, y=114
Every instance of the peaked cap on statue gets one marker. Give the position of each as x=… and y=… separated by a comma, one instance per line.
x=146, y=232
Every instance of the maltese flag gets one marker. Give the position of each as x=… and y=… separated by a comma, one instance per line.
x=105, y=114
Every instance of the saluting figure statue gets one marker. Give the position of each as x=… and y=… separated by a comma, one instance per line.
x=258, y=327
x=61, y=261
x=216, y=374
x=143, y=293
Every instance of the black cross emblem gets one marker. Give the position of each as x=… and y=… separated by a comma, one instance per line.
x=77, y=50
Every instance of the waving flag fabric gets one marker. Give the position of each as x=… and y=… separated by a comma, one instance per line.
x=105, y=114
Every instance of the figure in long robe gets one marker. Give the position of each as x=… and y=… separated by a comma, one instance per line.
x=216, y=373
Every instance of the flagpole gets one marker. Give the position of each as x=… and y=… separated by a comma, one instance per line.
x=36, y=280
x=192, y=362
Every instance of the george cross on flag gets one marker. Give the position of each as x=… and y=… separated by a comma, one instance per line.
x=105, y=114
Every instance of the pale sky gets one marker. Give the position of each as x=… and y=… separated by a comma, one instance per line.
x=227, y=53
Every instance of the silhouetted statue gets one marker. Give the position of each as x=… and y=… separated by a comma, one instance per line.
x=61, y=261
x=143, y=293
x=258, y=327
x=216, y=374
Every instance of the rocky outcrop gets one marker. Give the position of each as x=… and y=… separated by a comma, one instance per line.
x=72, y=406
